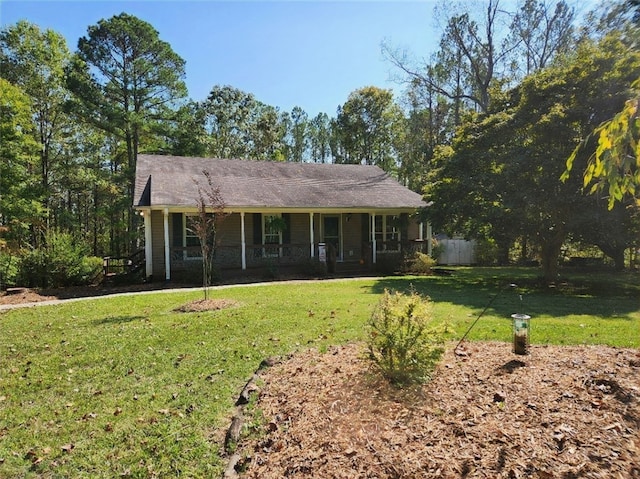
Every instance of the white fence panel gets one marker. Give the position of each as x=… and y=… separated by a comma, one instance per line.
x=457, y=252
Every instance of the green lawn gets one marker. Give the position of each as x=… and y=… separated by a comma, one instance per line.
x=126, y=387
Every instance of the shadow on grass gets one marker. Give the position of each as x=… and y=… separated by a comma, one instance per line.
x=117, y=320
x=605, y=295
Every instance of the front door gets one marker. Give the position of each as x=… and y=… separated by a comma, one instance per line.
x=331, y=227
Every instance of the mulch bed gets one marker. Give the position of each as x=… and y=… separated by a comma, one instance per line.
x=200, y=305
x=560, y=412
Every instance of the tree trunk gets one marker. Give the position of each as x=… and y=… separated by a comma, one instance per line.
x=524, y=251
x=550, y=252
x=615, y=252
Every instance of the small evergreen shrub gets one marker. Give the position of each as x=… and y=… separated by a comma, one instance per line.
x=62, y=262
x=91, y=271
x=402, y=343
x=8, y=270
x=33, y=268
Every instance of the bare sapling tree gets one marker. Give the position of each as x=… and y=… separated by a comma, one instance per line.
x=204, y=225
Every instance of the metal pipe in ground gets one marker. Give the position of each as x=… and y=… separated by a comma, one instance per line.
x=509, y=285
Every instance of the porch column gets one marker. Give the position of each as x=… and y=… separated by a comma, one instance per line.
x=313, y=249
x=148, y=250
x=429, y=242
x=167, y=250
x=243, y=242
x=373, y=238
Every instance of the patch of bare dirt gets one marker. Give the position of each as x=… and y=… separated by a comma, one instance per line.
x=24, y=295
x=560, y=412
x=201, y=305
x=35, y=295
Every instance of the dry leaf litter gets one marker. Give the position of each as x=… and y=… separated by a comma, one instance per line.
x=559, y=412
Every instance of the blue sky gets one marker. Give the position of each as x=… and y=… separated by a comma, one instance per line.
x=306, y=53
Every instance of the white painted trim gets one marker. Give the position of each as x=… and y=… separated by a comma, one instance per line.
x=243, y=242
x=313, y=249
x=167, y=250
x=372, y=219
x=148, y=250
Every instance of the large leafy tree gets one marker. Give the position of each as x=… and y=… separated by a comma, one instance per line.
x=478, y=55
x=298, y=136
x=237, y=125
x=34, y=60
x=126, y=81
x=20, y=208
x=187, y=135
x=539, y=31
x=319, y=130
x=229, y=116
x=429, y=123
x=614, y=167
x=505, y=168
x=368, y=126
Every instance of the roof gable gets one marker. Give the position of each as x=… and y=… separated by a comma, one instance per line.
x=169, y=181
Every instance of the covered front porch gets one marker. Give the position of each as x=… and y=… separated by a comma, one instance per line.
x=249, y=240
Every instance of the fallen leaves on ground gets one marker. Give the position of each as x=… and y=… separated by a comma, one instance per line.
x=560, y=412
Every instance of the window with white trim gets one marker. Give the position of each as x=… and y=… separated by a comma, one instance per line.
x=272, y=226
x=387, y=231
x=393, y=229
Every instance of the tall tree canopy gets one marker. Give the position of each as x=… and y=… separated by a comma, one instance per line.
x=615, y=164
x=34, y=60
x=240, y=126
x=368, y=127
x=127, y=82
x=19, y=206
x=504, y=169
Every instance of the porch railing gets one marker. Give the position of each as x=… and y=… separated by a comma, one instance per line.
x=123, y=265
x=283, y=254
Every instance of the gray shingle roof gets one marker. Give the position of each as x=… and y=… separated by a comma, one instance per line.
x=168, y=181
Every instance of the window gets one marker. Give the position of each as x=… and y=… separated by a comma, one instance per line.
x=191, y=242
x=393, y=229
x=272, y=226
x=387, y=231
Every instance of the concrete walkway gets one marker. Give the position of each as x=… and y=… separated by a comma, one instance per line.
x=7, y=307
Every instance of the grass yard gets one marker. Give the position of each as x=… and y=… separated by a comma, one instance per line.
x=127, y=387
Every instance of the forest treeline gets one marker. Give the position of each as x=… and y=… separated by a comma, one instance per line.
x=483, y=128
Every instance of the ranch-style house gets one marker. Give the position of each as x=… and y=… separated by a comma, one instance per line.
x=289, y=214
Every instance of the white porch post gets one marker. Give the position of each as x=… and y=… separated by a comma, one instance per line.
x=313, y=250
x=420, y=231
x=167, y=251
x=243, y=242
x=429, y=242
x=373, y=238
x=148, y=250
